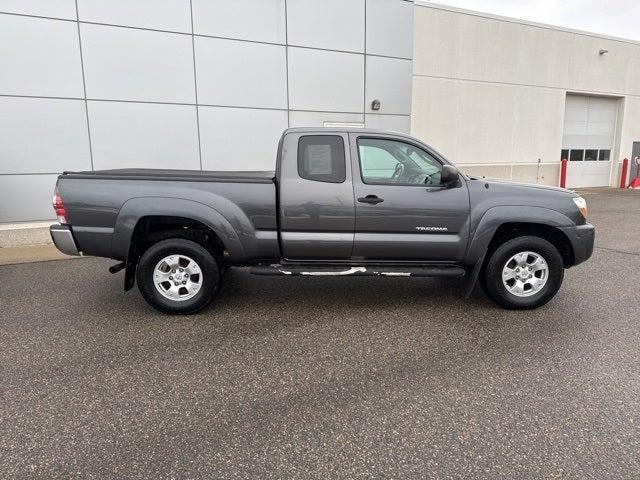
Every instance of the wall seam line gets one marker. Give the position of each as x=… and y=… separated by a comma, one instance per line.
x=286, y=60
x=84, y=86
x=448, y=8
x=364, y=76
x=148, y=102
x=195, y=83
x=203, y=35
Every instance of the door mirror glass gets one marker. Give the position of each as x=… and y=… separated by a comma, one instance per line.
x=449, y=175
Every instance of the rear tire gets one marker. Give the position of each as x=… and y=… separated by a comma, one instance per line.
x=523, y=273
x=178, y=276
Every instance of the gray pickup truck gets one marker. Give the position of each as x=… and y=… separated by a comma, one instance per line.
x=340, y=202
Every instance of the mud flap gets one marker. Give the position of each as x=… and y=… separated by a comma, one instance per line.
x=129, y=276
x=472, y=278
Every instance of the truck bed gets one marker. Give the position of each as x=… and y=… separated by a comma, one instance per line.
x=104, y=206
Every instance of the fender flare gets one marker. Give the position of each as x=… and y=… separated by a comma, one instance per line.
x=136, y=208
x=489, y=223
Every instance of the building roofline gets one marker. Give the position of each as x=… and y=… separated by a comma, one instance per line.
x=529, y=23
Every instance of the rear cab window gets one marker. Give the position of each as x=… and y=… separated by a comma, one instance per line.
x=321, y=158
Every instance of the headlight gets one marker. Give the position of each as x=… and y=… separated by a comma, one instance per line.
x=581, y=203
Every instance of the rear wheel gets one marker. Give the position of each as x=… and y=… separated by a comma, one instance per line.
x=523, y=273
x=178, y=276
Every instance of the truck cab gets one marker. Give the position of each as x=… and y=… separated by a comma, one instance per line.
x=368, y=197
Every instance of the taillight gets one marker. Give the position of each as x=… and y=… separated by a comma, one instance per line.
x=58, y=206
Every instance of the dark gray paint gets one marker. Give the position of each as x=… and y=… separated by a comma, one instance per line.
x=387, y=230
x=316, y=218
x=262, y=219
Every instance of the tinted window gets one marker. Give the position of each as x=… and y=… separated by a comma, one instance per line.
x=591, y=155
x=564, y=155
x=385, y=161
x=604, y=155
x=321, y=158
x=576, y=155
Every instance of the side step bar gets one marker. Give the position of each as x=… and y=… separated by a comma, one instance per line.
x=342, y=270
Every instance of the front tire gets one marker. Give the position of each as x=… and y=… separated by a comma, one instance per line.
x=178, y=276
x=523, y=273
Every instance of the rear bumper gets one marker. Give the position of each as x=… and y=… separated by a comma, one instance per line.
x=582, y=238
x=63, y=239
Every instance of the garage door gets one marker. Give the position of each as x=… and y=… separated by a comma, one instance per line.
x=587, y=142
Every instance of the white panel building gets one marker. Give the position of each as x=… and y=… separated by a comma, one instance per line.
x=508, y=98
x=211, y=84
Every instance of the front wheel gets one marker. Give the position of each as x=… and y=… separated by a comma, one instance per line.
x=523, y=273
x=178, y=276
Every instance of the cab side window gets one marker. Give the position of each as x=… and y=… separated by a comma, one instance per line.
x=321, y=158
x=384, y=161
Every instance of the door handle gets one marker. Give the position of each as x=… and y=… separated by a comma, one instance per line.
x=372, y=199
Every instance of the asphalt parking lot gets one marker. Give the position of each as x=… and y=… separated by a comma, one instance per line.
x=325, y=377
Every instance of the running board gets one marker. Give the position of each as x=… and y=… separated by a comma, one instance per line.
x=358, y=271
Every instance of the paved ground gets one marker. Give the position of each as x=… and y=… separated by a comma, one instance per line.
x=325, y=377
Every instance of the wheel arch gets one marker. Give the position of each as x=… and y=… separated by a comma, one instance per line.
x=553, y=235
x=137, y=213
x=202, y=223
x=151, y=229
x=499, y=224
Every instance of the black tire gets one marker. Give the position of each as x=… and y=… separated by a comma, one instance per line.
x=209, y=268
x=491, y=277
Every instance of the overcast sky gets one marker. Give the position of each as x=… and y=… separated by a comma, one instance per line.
x=619, y=18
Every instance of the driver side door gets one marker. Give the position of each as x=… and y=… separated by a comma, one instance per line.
x=402, y=211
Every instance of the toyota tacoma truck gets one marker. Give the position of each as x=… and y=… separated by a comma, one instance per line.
x=343, y=202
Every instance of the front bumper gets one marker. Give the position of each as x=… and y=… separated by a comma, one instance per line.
x=582, y=238
x=63, y=239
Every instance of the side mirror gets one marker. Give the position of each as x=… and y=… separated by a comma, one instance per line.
x=449, y=175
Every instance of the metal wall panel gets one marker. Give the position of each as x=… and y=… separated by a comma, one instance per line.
x=389, y=80
x=118, y=88
x=37, y=205
x=390, y=28
x=396, y=123
x=140, y=65
x=174, y=15
x=143, y=135
x=259, y=20
x=318, y=119
x=42, y=8
x=331, y=24
x=321, y=80
x=43, y=135
x=240, y=138
x=39, y=56
x=236, y=73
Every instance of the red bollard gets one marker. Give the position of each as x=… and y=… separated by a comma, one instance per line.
x=623, y=175
x=563, y=173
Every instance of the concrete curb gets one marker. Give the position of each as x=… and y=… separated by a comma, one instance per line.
x=21, y=234
x=31, y=253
